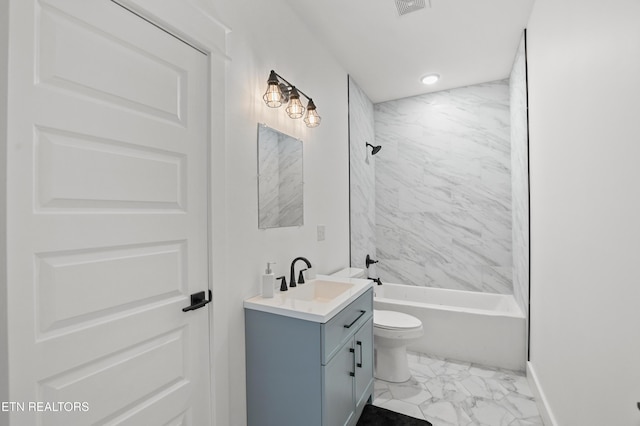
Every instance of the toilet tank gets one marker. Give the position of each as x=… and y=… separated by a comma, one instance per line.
x=350, y=273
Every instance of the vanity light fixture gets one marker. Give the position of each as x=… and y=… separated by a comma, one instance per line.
x=280, y=91
x=430, y=78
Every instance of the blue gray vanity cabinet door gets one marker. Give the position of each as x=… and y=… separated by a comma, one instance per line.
x=338, y=407
x=284, y=371
x=364, y=364
x=348, y=379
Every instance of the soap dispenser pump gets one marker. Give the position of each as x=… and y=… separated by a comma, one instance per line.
x=268, y=281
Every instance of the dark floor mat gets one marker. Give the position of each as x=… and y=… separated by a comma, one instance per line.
x=376, y=416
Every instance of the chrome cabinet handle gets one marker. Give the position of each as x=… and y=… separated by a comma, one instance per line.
x=356, y=320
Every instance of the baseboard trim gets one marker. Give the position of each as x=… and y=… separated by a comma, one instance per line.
x=541, y=399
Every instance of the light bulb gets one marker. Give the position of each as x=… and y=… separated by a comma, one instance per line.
x=312, y=119
x=273, y=96
x=295, y=108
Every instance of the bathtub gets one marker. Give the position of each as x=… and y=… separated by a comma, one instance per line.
x=483, y=328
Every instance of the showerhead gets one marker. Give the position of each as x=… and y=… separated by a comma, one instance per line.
x=374, y=149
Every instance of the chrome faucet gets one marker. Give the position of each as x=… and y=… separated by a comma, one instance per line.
x=292, y=280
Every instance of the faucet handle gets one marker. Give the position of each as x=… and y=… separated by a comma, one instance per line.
x=301, y=276
x=368, y=261
x=283, y=283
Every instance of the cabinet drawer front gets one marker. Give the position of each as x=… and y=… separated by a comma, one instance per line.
x=341, y=327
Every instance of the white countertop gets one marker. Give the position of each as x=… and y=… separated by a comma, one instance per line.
x=286, y=303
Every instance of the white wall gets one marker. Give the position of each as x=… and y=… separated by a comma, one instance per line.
x=265, y=36
x=4, y=352
x=584, y=91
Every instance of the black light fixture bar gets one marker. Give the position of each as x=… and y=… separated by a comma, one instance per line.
x=290, y=86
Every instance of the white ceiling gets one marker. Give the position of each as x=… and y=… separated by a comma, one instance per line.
x=465, y=41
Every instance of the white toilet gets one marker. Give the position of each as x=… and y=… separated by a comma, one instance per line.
x=392, y=331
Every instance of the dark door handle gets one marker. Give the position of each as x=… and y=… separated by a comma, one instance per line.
x=356, y=320
x=360, y=345
x=198, y=300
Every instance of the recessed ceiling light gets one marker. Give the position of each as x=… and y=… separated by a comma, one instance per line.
x=430, y=78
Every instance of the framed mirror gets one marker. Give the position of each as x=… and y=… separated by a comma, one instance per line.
x=280, y=184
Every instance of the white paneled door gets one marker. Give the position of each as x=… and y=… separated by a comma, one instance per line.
x=107, y=211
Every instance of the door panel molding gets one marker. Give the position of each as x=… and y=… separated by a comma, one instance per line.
x=184, y=20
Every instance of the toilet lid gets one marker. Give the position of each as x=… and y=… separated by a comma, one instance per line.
x=394, y=320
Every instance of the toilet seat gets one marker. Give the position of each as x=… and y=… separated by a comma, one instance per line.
x=392, y=320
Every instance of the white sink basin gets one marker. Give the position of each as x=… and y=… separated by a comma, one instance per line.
x=317, y=300
x=319, y=290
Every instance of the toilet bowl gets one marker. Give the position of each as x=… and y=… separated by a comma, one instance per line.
x=392, y=332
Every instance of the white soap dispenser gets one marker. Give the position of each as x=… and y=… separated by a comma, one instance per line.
x=268, y=281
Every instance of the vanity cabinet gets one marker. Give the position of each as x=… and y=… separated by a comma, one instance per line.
x=301, y=372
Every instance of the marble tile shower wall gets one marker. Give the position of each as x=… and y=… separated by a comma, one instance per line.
x=443, y=189
x=520, y=178
x=362, y=176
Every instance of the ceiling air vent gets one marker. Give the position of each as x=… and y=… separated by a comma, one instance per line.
x=408, y=6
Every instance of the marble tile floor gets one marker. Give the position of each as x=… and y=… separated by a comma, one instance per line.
x=451, y=393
